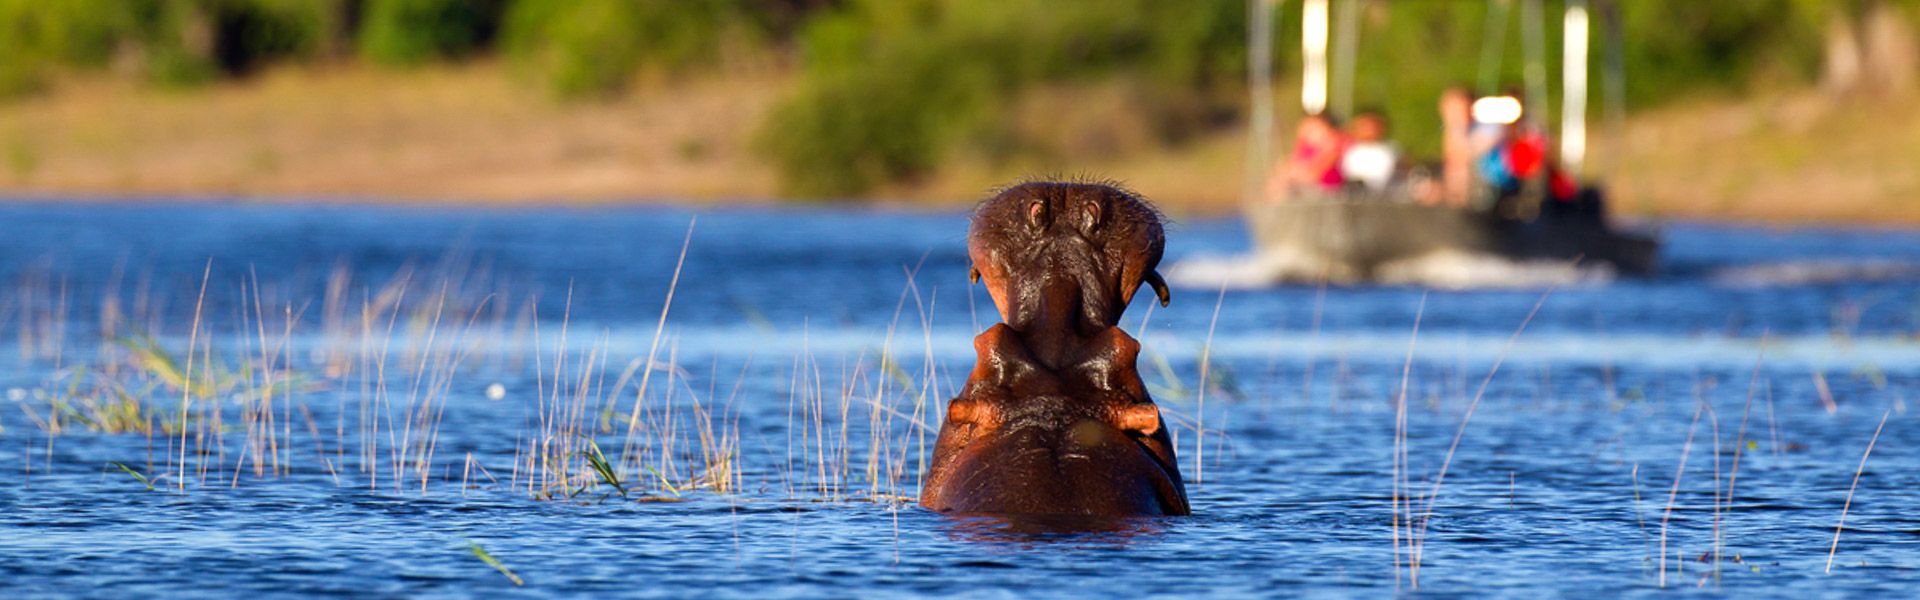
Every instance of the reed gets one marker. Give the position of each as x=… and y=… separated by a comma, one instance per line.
x=1401, y=518
x=1725, y=506
x=1713, y=425
x=186, y=389
x=1200, y=410
x=1674, y=494
x=1418, y=537
x=1857, y=472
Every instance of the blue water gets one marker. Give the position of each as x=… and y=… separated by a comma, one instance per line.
x=803, y=353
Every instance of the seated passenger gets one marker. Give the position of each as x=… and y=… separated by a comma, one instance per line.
x=1314, y=165
x=1504, y=163
x=1370, y=159
x=1523, y=156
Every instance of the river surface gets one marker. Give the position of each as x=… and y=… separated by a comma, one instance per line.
x=408, y=401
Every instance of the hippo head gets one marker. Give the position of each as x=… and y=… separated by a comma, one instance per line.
x=1064, y=259
x=1054, y=418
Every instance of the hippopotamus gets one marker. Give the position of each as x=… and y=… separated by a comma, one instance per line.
x=1054, y=419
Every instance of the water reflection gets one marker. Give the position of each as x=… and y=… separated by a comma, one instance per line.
x=1054, y=529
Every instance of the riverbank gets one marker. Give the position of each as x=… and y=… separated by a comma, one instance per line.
x=471, y=134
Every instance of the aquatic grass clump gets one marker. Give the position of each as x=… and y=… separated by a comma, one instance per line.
x=359, y=387
x=244, y=403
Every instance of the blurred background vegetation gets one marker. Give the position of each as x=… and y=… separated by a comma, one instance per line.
x=875, y=94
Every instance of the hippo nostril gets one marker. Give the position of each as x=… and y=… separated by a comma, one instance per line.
x=972, y=412
x=1090, y=218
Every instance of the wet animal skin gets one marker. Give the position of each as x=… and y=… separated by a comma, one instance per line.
x=1054, y=419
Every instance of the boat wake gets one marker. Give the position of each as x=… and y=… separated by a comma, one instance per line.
x=1813, y=272
x=1448, y=269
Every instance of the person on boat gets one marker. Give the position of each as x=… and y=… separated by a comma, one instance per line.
x=1457, y=149
x=1370, y=159
x=1314, y=165
x=1523, y=155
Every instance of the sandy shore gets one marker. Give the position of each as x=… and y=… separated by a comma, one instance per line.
x=472, y=134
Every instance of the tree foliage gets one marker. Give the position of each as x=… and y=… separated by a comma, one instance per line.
x=888, y=89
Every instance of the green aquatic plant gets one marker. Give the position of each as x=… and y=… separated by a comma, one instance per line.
x=121, y=413
x=147, y=354
x=600, y=467
x=143, y=479
x=488, y=558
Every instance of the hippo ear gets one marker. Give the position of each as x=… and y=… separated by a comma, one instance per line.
x=1135, y=272
x=973, y=275
x=1037, y=215
x=1159, y=288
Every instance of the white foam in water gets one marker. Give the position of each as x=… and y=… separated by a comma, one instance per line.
x=1806, y=272
x=1650, y=350
x=1444, y=269
x=1462, y=270
x=1234, y=272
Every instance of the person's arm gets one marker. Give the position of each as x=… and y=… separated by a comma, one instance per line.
x=1279, y=180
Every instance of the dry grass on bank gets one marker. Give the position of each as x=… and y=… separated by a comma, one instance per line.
x=472, y=133
x=465, y=132
x=1796, y=157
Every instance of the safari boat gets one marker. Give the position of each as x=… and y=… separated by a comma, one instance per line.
x=1385, y=236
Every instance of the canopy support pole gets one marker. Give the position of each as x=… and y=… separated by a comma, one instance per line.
x=1493, y=48
x=1313, y=43
x=1573, y=75
x=1260, y=85
x=1346, y=46
x=1534, y=35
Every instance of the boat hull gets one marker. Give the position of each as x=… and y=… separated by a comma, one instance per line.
x=1356, y=241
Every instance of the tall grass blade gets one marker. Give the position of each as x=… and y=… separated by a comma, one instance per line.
x=495, y=563
x=1856, y=485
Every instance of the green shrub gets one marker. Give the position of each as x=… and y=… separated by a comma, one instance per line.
x=1684, y=46
x=37, y=36
x=891, y=86
x=410, y=32
x=1411, y=51
x=250, y=33
x=595, y=47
